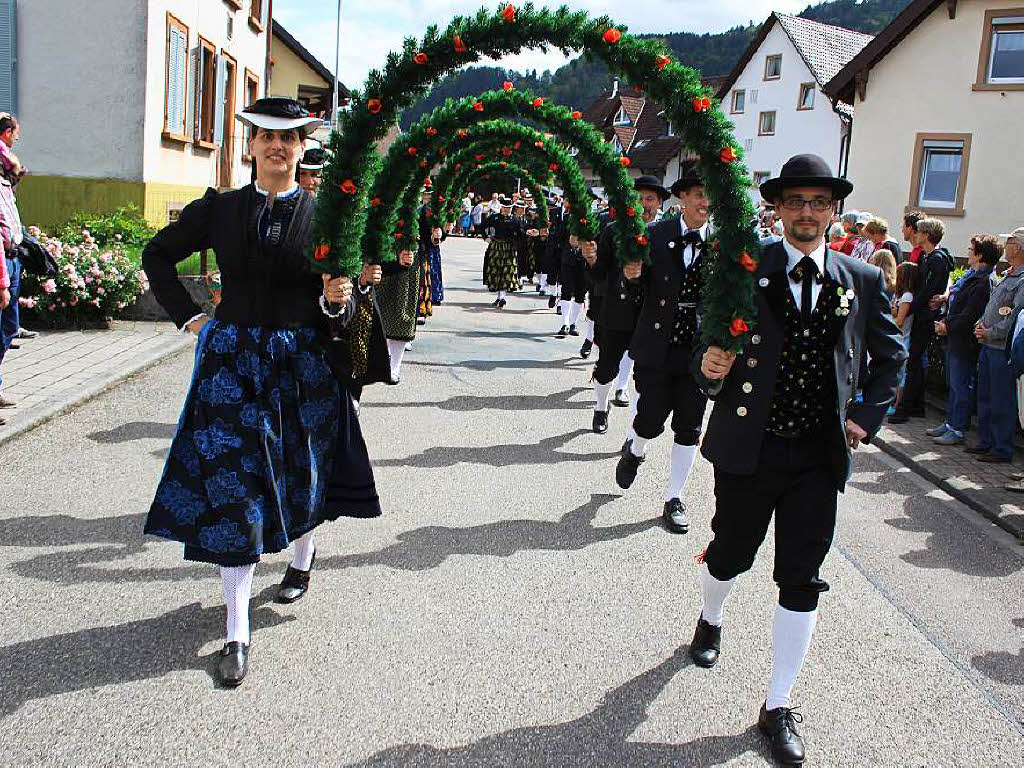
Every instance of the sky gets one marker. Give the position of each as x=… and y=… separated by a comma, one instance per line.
x=372, y=28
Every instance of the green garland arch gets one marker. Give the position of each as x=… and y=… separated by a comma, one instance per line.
x=729, y=309
x=511, y=171
x=454, y=179
x=450, y=125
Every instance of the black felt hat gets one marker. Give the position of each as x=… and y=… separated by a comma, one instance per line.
x=805, y=171
x=651, y=183
x=314, y=159
x=688, y=180
x=505, y=202
x=278, y=113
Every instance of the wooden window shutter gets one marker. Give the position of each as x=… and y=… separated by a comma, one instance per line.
x=218, y=113
x=190, y=92
x=8, y=56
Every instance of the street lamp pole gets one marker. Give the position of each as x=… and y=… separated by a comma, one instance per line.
x=336, y=96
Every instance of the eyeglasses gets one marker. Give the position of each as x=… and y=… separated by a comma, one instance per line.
x=797, y=203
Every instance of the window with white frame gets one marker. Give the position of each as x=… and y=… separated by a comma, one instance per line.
x=806, y=100
x=940, y=170
x=739, y=102
x=622, y=118
x=1006, y=50
x=773, y=67
x=177, y=79
x=766, y=124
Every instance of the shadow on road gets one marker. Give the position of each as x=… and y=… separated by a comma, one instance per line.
x=135, y=430
x=598, y=738
x=1001, y=666
x=493, y=365
x=553, y=402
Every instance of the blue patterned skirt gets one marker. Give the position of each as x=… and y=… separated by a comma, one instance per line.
x=268, y=447
x=436, y=278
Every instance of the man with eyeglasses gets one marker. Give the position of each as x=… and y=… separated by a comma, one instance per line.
x=784, y=423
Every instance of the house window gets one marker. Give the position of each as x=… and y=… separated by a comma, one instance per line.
x=766, y=124
x=177, y=81
x=939, y=176
x=622, y=118
x=256, y=15
x=773, y=67
x=760, y=177
x=1001, y=62
x=739, y=102
x=206, y=94
x=806, y=100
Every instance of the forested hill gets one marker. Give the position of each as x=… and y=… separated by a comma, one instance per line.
x=580, y=81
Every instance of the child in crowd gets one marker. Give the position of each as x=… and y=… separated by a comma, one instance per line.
x=885, y=260
x=903, y=295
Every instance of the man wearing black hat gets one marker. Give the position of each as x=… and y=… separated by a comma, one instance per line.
x=311, y=168
x=663, y=344
x=785, y=421
x=620, y=309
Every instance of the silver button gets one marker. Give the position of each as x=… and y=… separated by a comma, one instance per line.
x=666, y=278
x=851, y=353
x=663, y=302
x=741, y=411
x=755, y=339
x=807, y=333
x=657, y=326
x=622, y=296
x=752, y=362
x=672, y=244
x=748, y=387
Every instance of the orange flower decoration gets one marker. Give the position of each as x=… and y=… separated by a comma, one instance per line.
x=737, y=327
x=376, y=202
x=642, y=239
x=625, y=161
x=507, y=86
x=554, y=166
x=538, y=101
x=431, y=131
x=479, y=106
x=539, y=144
x=576, y=115
x=374, y=106
x=460, y=47
x=348, y=187
x=662, y=62
x=412, y=151
x=631, y=211
x=420, y=58
x=747, y=262
x=702, y=103
x=612, y=36
x=322, y=251
x=462, y=133
x=729, y=155
x=509, y=14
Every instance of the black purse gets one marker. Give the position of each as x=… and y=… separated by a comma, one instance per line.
x=35, y=259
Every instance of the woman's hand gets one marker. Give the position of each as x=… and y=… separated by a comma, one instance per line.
x=633, y=270
x=197, y=325
x=338, y=290
x=371, y=275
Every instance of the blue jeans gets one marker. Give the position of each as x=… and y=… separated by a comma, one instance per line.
x=997, y=402
x=10, y=317
x=961, y=373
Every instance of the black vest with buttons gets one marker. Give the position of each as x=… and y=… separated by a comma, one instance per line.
x=805, y=386
x=684, y=329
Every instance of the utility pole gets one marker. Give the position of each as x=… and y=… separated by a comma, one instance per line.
x=336, y=96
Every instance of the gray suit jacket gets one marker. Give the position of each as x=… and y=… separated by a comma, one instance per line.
x=743, y=400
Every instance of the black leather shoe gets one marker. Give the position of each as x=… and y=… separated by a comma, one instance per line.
x=551, y=302
x=779, y=725
x=976, y=450
x=675, y=517
x=707, y=644
x=621, y=398
x=899, y=417
x=394, y=381
x=625, y=447
x=502, y=303
x=586, y=349
x=562, y=332
x=573, y=331
x=625, y=470
x=558, y=309
x=233, y=664
x=295, y=584
x=600, y=422
x=421, y=321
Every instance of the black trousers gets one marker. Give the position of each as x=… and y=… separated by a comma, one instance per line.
x=920, y=339
x=574, y=282
x=611, y=346
x=796, y=482
x=668, y=391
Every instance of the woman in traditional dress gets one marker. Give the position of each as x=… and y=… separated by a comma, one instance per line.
x=268, y=446
x=501, y=272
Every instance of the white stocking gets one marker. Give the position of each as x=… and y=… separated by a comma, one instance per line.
x=574, y=311
x=236, y=588
x=302, y=560
x=715, y=592
x=633, y=405
x=590, y=330
x=791, y=638
x=683, y=457
x=566, y=310
x=502, y=295
x=397, y=351
x=625, y=369
x=639, y=446
x=603, y=393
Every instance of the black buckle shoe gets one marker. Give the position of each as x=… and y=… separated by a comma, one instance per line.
x=233, y=664
x=625, y=447
x=625, y=470
x=551, y=302
x=674, y=515
x=586, y=349
x=562, y=333
x=707, y=644
x=600, y=422
x=573, y=331
x=621, y=398
x=502, y=303
x=779, y=725
x=295, y=584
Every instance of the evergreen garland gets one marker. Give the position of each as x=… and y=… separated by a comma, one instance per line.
x=511, y=172
x=456, y=176
x=728, y=313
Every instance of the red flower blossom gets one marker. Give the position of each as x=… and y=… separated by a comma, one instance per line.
x=507, y=86
x=747, y=262
x=612, y=36
x=509, y=14
x=538, y=101
x=662, y=62
x=517, y=145
x=631, y=211
x=539, y=144
x=376, y=202
x=399, y=235
x=374, y=106
x=729, y=155
x=554, y=166
x=737, y=327
x=702, y=103
x=460, y=47
x=431, y=131
x=322, y=251
x=478, y=158
x=349, y=187
x=506, y=151
x=625, y=161
x=420, y=58
x=576, y=115
x=642, y=239
x=479, y=106
x=412, y=151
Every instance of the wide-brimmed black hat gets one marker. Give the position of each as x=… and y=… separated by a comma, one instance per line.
x=805, y=171
x=314, y=159
x=278, y=113
x=651, y=183
x=505, y=202
x=687, y=180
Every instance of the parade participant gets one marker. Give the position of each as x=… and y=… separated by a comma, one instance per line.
x=500, y=273
x=784, y=424
x=311, y=168
x=268, y=446
x=620, y=309
x=428, y=254
x=558, y=244
x=574, y=287
x=662, y=345
x=522, y=242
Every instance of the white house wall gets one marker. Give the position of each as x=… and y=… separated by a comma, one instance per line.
x=82, y=83
x=816, y=130
x=168, y=162
x=925, y=84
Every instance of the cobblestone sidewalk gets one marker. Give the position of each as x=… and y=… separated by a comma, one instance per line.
x=60, y=369
x=976, y=484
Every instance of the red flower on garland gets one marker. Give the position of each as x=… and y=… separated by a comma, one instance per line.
x=431, y=131
x=440, y=198
x=507, y=86
x=399, y=235
x=504, y=165
x=539, y=144
x=462, y=133
x=460, y=47
x=716, y=244
x=376, y=202
x=479, y=106
x=662, y=62
x=642, y=239
x=348, y=187
x=583, y=220
x=478, y=158
x=612, y=36
x=322, y=251
x=747, y=262
x=412, y=151
x=517, y=145
x=554, y=166
x=420, y=58
x=428, y=183
x=737, y=327
x=625, y=161
x=509, y=14
x=729, y=155
x=538, y=101
x=702, y=103
x=631, y=211
x=374, y=106
x=576, y=115
x=506, y=151
x=400, y=223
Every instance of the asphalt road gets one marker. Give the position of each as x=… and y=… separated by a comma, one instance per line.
x=512, y=607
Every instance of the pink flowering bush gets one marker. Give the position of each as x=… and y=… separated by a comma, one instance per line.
x=91, y=283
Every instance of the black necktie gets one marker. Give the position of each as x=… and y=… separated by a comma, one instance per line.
x=692, y=237
x=805, y=273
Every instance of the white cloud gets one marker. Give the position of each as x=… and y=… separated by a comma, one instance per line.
x=372, y=28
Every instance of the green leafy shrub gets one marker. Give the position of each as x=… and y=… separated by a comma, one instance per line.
x=126, y=225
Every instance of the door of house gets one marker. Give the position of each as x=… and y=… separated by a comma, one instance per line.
x=227, y=147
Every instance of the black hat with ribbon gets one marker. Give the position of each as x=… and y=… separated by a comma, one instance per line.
x=314, y=159
x=279, y=114
x=688, y=180
x=805, y=171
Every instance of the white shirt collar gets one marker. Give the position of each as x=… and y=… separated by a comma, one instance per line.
x=702, y=229
x=793, y=256
x=287, y=193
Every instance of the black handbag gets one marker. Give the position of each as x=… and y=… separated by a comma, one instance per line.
x=35, y=259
